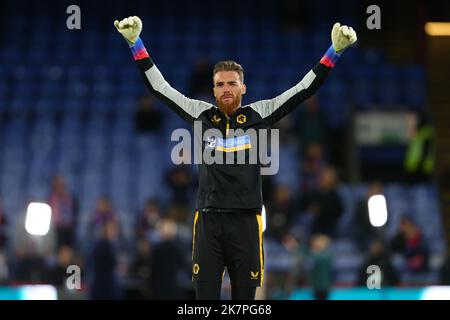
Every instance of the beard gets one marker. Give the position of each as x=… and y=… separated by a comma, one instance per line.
x=229, y=107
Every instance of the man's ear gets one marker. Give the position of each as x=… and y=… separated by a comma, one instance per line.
x=244, y=88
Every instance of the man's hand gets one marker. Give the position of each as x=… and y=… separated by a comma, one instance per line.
x=130, y=28
x=342, y=37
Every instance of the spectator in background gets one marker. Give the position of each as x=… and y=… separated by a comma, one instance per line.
x=410, y=242
x=104, y=284
x=321, y=277
x=420, y=154
x=148, y=220
x=444, y=272
x=148, y=119
x=4, y=269
x=102, y=215
x=200, y=80
x=181, y=182
x=313, y=164
x=167, y=262
x=64, y=212
x=141, y=269
x=324, y=206
x=268, y=187
x=3, y=228
x=379, y=256
x=298, y=273
x=281, y=210
x=4, y=272
x=28, y=265
x=57, y=272
x=30, y=251
x=288, y=162
x=286, y=127
x=364, y=232
x=312, y=125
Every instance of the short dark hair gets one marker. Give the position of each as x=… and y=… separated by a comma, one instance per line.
x=229, y=65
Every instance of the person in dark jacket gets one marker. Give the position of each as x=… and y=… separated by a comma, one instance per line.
x=379, y=256
x=410, y=242
x=166, y=263
x=325, y=205
x=104, y=285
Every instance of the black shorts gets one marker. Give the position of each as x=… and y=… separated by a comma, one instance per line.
x=232, y=240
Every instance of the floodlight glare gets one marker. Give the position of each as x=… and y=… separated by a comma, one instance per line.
x=37, y=221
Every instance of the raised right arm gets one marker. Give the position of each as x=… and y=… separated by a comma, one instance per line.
x=188, y=109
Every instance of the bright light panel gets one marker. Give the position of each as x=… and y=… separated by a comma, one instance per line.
x=377, y=210
x=436, y=293
x=37, y=221
x=39, y=292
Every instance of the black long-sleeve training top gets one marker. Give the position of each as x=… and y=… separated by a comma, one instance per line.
x=231, y=187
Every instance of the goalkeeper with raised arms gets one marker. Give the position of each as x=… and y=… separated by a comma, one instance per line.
x=227, y=227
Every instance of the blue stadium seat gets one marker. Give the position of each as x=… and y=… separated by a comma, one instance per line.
x=413, y=73
x=414, y=93
x=363, y=94
x=21, y=104
x=46, y=106
x=388, y=93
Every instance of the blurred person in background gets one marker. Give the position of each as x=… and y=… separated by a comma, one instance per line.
x=148, y=220
x=409, y=241
x=28, y=265
x=3, y=244
x=30, y=252
x=103, y=263
x=140, y=270
x=313, y=163
x=167, y=263
x=57, y=270
x=180, y=179
x=268, y=187
x=324, y=206
x=321, y=272
x=444, y=271
x=4, y=269
x=282, y=211
x=148, y=118
x=286, y=127
x=3, y=228
x=420, y=154
x=297, y=276
x=200, y=80
x=64, y=212
x=312, y=125
x=103, y=214
x=379, y=256
x=364, y=232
